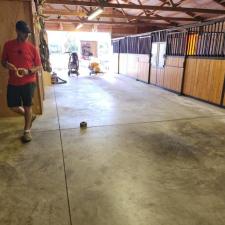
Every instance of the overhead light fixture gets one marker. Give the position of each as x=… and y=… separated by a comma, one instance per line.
x=95, y=13
x=79, y=26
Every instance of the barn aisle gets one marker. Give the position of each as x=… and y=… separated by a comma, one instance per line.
x=147, y=157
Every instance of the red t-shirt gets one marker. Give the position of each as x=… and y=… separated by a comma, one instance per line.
x=22, y=55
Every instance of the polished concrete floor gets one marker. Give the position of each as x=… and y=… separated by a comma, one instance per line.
x=148, y=157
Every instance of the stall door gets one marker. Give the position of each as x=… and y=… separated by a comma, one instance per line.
x=154, y=63
x=161, y=64
x=158, y=63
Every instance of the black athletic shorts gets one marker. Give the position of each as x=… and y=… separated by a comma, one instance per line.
x=20, y=95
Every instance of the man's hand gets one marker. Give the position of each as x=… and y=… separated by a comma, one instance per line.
x=22, y=71
x=35, y=69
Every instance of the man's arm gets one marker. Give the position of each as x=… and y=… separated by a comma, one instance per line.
x=37, y=62
x=8, y=65
x=4, y=59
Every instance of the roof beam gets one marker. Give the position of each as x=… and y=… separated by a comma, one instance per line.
x=128, y=6
x=74, y=13
x=106, y=22
x=64, y=12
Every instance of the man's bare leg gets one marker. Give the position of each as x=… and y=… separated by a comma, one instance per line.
x=28, y=120
x=28, y=117
x=19, y=110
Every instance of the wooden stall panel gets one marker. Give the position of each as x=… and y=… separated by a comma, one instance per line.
x=132, y=65
x=143, y=72
x=201, y=82
x=167, y=77
x=216, y=80
x=179, y=78
x=123, y=64
x=143, y=68
x=115, y=62
x=190, y=77
x=172, y=61
x=181, y=62
x=160, y=77
x=153, y=76
x=8, y=18
x=173, y=73
x=204, y=79
x=173, y=78
x=143, y=58
x=175, y=61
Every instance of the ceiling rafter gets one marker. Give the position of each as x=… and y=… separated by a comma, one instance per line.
x=145, y=11
x=148, y=13
x=121, y=11
x=178, y=3
x=67, y=8
x=174, y=5
x=85, y=9
x=125, y=15
x=220, y=2
x=158, y=16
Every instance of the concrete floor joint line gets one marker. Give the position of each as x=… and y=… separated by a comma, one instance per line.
x=147, y=122
x=64, y=166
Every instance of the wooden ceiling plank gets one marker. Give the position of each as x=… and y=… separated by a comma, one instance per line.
x=50, y=6
x=128, y=6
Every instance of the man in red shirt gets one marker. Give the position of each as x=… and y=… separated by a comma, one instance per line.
x=22, y=60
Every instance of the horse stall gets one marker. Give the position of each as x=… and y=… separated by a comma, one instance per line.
x=205, y=64
x=188, y=60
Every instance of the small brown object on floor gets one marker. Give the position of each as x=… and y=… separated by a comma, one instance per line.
x=83, y=124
